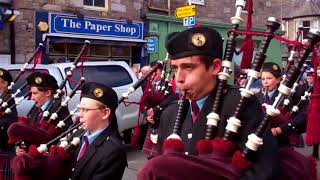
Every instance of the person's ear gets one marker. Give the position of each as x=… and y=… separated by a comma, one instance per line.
x=48, y=93
x=216, y=66
x=106, y=113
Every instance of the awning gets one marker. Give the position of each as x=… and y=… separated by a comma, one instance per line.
x=63, y=38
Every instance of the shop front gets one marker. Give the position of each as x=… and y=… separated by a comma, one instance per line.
x=110, y=39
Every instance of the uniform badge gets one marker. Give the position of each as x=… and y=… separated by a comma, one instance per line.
x=38, y=80
x=274, y=67
x=1, y=73
x=198, y=39
x=98, y=92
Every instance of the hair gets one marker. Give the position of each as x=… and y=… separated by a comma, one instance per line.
x=42, y=89
x=206, y=60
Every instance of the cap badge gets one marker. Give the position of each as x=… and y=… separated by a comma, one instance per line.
x=38, y=80
x=198, y=39
x=1, y=73
x=274, y=67
x=97, y=92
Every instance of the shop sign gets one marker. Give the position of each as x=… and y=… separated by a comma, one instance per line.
x=88, y=26
x=152, y=44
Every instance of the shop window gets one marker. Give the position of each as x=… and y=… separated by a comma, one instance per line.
x=96, y=4
x=100, y=50
x=57, y=48
x=121, y=51
x=74, y=49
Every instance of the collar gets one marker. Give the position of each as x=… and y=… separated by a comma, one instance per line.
x=45, y=105
x=93, y=136
x=201, y=102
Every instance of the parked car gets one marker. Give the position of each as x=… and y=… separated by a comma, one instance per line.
x=116, y=74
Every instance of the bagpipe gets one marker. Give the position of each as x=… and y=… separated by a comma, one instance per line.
x=8, y=96
x=222, y=157
x=55, y=119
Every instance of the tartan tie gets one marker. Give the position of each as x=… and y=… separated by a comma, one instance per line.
x=195, y=111
x=266, y=98
x=84, y=148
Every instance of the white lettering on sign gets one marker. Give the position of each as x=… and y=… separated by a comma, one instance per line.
x=123, y=29
x=70, y=23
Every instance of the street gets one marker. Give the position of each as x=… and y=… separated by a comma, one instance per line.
x=136, y=160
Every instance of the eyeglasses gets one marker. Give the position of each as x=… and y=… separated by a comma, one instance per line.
x=86, y=110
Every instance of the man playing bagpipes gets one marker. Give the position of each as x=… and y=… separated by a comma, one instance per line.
x=33, y=129
x=196, y=55
x=99, y=155
x=6, y=151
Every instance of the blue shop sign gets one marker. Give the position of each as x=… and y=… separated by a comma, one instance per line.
x=152, y=44
x=88, y=26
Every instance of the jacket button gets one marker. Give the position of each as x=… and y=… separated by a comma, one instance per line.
x=189, y=135
x=2, y=128
x=72, y=169
x=186, y=153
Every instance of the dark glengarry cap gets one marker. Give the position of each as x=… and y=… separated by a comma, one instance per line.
x=101, y=93
x=44, y=80
x=194, y=41
x=5, y=75
x=272, y=68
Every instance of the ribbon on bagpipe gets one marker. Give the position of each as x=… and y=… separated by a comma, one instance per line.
x=313, y=123
x=36, y=58
x=47, y=128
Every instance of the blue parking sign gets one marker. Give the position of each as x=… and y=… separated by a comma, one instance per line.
x=152, y=44
x=189, y=21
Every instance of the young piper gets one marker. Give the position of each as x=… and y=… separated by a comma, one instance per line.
x=195, y=56
x=100, y=154
x=103, y=157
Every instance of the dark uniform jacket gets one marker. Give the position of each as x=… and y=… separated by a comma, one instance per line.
x=104, y=159
x=35, y=114
x=295, y=123
x=251, y=115
x=6, y=120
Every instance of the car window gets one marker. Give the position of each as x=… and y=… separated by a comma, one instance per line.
x=111, y=75
x=22, y=79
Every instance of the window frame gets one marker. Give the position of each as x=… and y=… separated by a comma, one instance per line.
x=96, y=8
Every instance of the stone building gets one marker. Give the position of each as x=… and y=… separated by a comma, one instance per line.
x=117, y=29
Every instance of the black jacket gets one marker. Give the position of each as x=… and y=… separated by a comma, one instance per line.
x=251, y=115
x=6, y=120
x=104, y=159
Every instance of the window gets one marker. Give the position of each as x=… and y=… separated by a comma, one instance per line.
x=96, y=4
x=22, y=80
x=306, y=25
x=112, y=76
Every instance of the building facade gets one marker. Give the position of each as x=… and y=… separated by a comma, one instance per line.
x=117, y=29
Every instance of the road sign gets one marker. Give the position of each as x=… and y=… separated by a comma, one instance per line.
x=185, y=11
x=189, y=21
x=197, y=2
x=152, y=44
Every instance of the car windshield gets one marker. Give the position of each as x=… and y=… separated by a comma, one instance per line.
x=111, y=75
x=22, y=80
